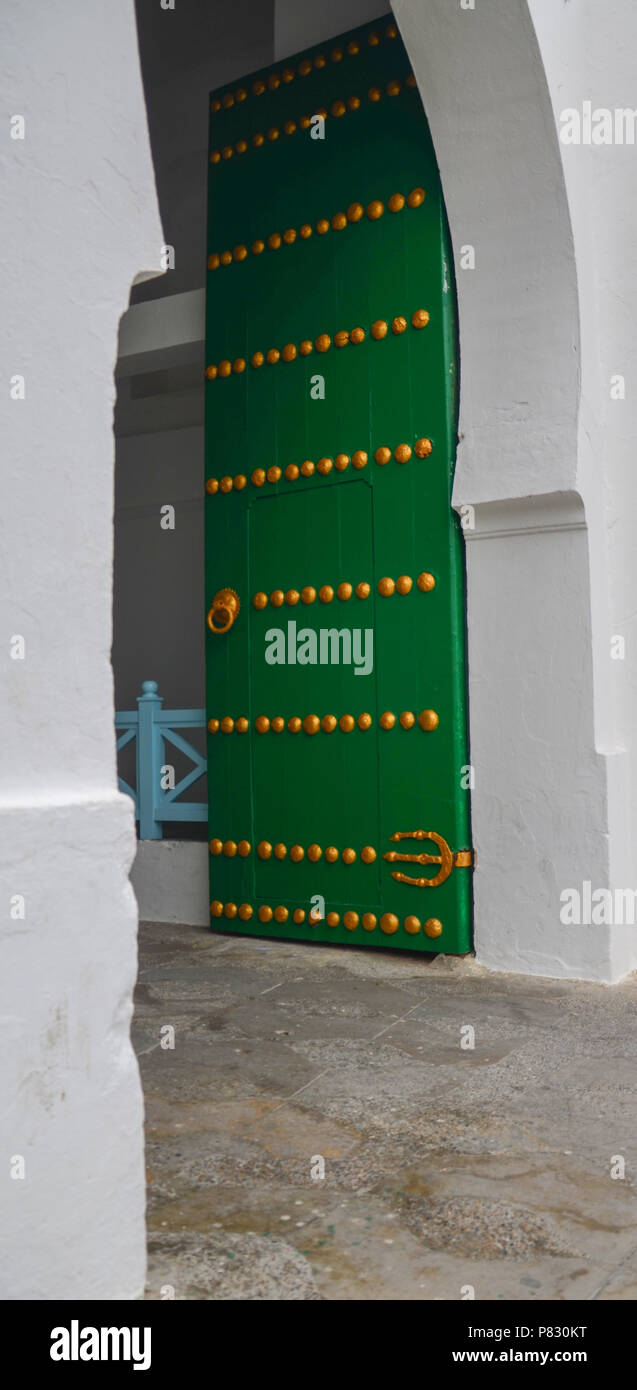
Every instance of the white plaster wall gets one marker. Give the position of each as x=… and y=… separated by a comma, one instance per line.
x=170, y=878
x=79, y=223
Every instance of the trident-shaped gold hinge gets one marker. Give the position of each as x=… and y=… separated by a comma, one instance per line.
x=448, y=859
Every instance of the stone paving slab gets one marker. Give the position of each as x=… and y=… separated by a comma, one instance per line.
x=318, y=1131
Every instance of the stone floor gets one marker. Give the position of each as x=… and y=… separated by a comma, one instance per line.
x=444, y=1167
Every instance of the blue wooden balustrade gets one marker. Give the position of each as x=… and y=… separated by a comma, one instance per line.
x=153, y=727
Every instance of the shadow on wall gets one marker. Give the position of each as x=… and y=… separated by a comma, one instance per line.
x=184, y=53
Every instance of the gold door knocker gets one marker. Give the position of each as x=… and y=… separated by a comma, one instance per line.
x=447, y=859
x=225, y=607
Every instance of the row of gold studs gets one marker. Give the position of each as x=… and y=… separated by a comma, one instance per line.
x=337, y=109
x=378, y=330
x=314, y=852
x=303, y=69
x=427, y=719
x=359, y=459
x=389, y=922
x=386, y=587
x=339, y=221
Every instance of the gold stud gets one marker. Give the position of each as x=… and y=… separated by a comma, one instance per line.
x=305, y=66
x=216, y=909
x=211, y=372
x=387, y=720
x=336, y=55
x=308, y=594
x=289, y=127
x=298, y=915
x=314, y=917
x=314, y=853
x=344, y=591
x=280, y=851
x=273, y=133
x=305, y=231
x=239, y=481
x=262, y=724
x=353, y=103
x=428, y=720
x=257, y=478
x=243, y=848
x=288, y=353
x=364, y=722
x=226, y=483
x=292, y=596
x=389, y=923
x=348, y=856
x=258, y=87
x=332, y=919
x=240, y=253
x=230, y=910
x=227, y=725
x=273, y=473
x=393, y=87
x=355, y=212
x=227, y=152
x=374, y=94
x=323, y=342
x=277, y=598
x=353, y=47
x=215, y=157
x=319, y=61
x=425, y=582
x=404, y=584
x=240, y=94
x=307, y=468
x=224, y=367
x=347, y=723
x=379, y=329
x=213, y=726
x=331, y=854
x=373, y=39
x=245, y=912
x=272, y=356
x=338, y=108
x=416, y=197
x=241, y=146
x=328, y=723
x=382, y=455
x=357, y=335
x=341, y=462
x=322, y=226
x=264, y=849
x=311, y=723
x=306, y=347
x=242, y=725
x=398, y=325
x=396, y=203
x=369, y=921
x=297, y=853
x=257, y=247
x=422, y=448
x=341, y=339
x=350, y=920
x=412, y=925
x=265, y=914
x=216, y=846
x=324, y=466
x=257, y=140
x=359, y=459
x=288, y=74
x=295, y=724
x=386, y=587
x=368, y=854
x=362, y=590
x=375, y=209
x=304, y=122
x=257, y=359
x=277, y=724
x=215, y=104
x=420, y=318
x=321, y=111
x=326, y=593
x=289, y=236
x=407, y=719
x=391, y=31
x=274, y=241
x=433, y=927
x=213, y=261
x=212, y=486
x=281, y=914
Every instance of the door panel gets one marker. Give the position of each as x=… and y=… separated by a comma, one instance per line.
x=328, y=516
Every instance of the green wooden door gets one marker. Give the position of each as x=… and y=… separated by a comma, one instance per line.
x=337, y=746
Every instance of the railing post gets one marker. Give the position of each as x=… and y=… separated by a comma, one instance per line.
x=149, y=758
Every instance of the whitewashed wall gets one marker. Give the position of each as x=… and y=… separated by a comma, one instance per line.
x=79, y=219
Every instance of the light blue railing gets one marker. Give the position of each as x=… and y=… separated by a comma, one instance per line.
x=153, y=727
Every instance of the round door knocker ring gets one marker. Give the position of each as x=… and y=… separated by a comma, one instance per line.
x=225, y=608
